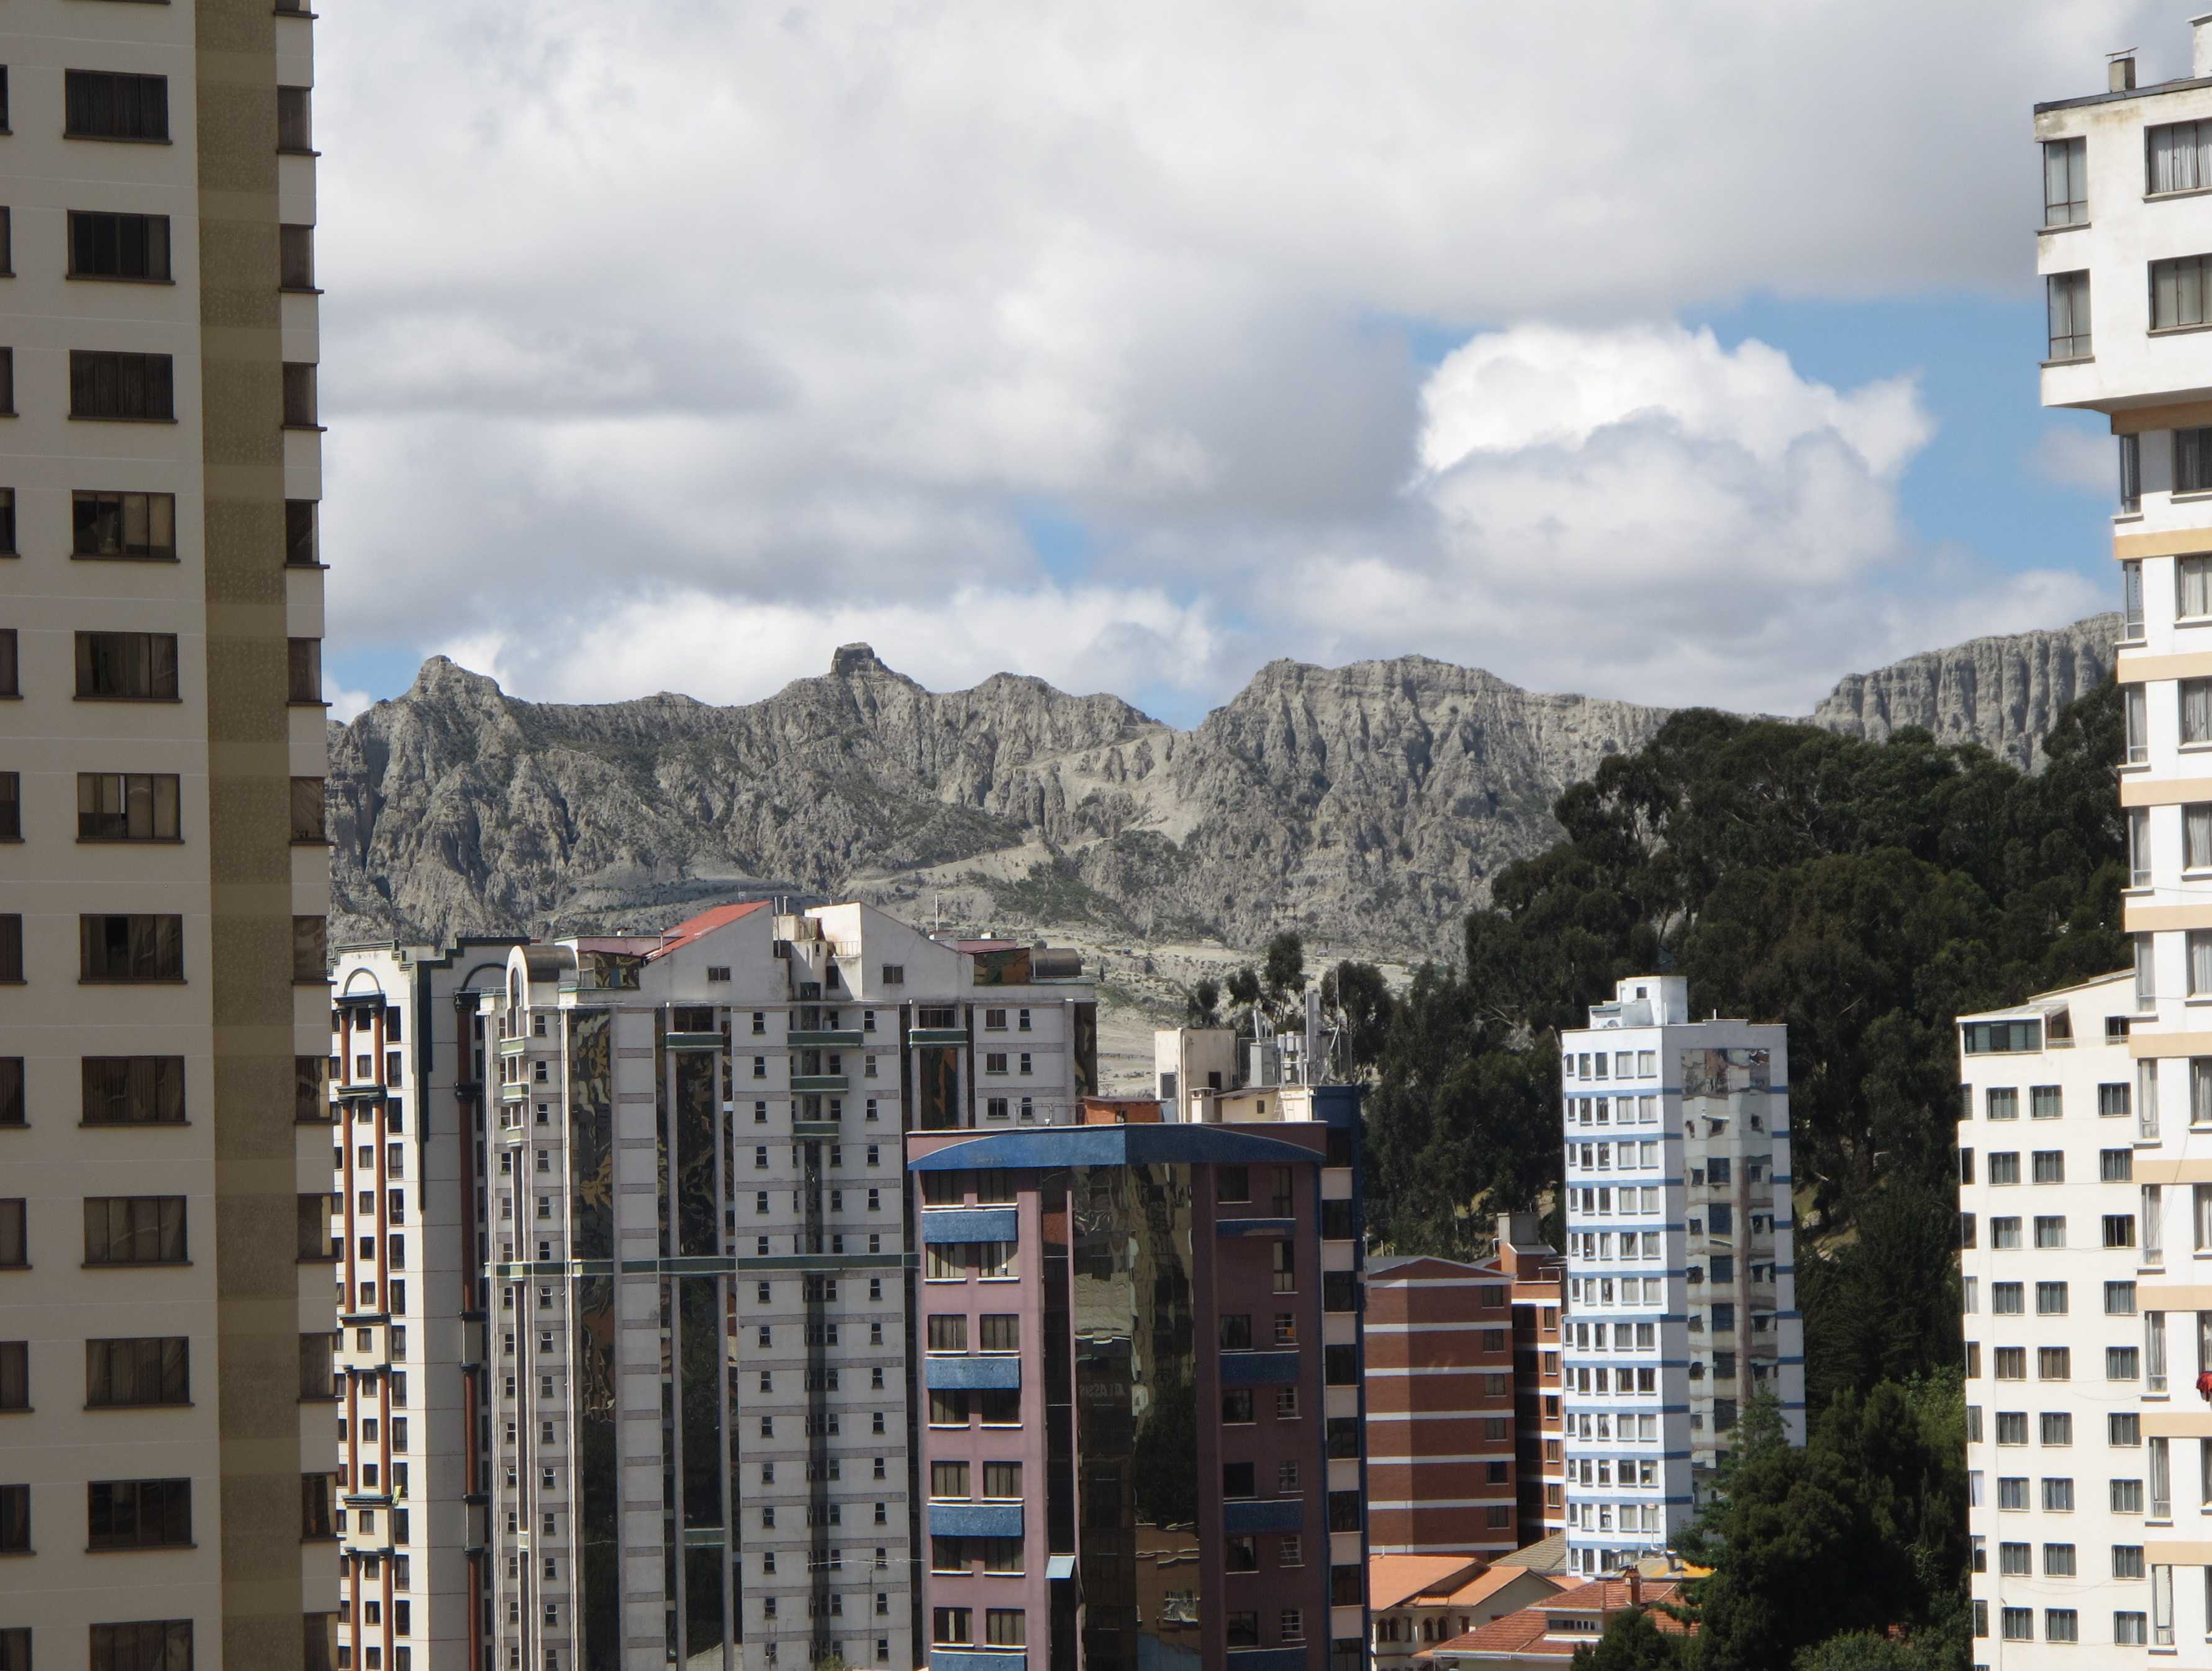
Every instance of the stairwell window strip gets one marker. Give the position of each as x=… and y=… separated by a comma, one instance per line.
x=2154, y=1232
x=2130, y=504
x=2065, y=182
x=2138, y=847
x=2134, y=708
x=2068, y=299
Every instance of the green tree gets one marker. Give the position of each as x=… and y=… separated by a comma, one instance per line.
x=1244, y=995
x=1633, y=1642
x=1863, y=894
x=1860, y=1651
x=1360, y=1001
x=1863, y=1530
x=1283, y=974
x=1201, y=1006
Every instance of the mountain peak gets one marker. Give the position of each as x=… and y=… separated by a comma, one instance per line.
x=852, y=659
x=1368, y=806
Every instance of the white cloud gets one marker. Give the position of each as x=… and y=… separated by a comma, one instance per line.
x=718, y=650
x=650, y=325
x=346, y=705
x=2079, y=458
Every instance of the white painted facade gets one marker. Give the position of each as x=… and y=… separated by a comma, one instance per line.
x=2071, y=1386
x=2128, y=217
x=1682, y=1287
x=240, y=1569
x=698, y=1336
x=408, y=1061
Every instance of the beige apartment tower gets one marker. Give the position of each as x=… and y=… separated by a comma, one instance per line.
x=167, y=1434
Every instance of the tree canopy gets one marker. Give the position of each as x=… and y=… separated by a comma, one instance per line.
x=1864, y=893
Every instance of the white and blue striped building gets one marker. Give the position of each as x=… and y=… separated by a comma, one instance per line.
x=1681, y=1290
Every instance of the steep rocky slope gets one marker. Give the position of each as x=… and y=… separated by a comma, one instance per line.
x=2002, y=693
x=1367, y=805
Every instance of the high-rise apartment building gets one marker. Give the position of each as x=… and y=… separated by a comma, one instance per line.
x=1441, y=1450
x=695, y=1440
x=2126, y=224
x=1681, y=1291
x=409, y=1053
x=2079, y=1436
x=1464, y=1427
x=1539, y=1275
x=163, y=1004
x=1140, y=1376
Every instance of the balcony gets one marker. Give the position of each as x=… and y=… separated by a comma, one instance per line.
x=514, y=1093
x=938, y=1036
x=841, y=1039
x=805, y=1082
x=513, y=1046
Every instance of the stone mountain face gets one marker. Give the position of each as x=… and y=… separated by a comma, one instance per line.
x=1368, y=806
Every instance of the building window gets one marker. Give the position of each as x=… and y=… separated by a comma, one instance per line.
x=134, y=1091
x=15, y=1375
x=126, y=666
x=300, y=404
x=150, y=1644
x=295, y=130
x=301, y=549
x=122, y=388
x=123, y=1373
x=7, y=522
x=308, y=826
x=126, y=806
x=2065, y=182
x=99, y=104
x=296, y=258
x=123, y=525
x=139, y=1514
x=2068, y=296
x=134, y=1229
x=2177, y=157
x=2192, y=460
x=2176, y=292
x=105, y=245
x=134, y=947
x=304, y=669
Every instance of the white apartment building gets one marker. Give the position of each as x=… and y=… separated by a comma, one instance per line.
x=408, y=1058
x=699, y=1333
x=2124, y=249
x=2068, y=1209
x=1682, y=1287
x=164, y=1006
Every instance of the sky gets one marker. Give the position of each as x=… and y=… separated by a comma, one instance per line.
x=1674, y=350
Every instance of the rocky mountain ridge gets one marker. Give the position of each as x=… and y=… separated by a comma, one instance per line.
x=1368, y=806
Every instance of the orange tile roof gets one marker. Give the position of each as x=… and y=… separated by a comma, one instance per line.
x=705, y=923
x=1394, y=1580
x=1487, y=1584
x=1523, y=1634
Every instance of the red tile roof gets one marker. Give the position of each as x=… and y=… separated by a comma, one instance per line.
x=1523, y=1633
x=705, y=923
